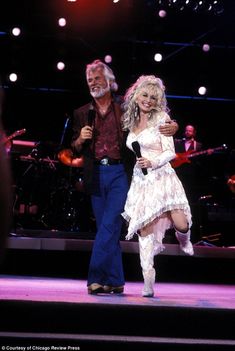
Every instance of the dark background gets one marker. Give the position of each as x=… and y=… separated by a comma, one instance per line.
x=131, y=32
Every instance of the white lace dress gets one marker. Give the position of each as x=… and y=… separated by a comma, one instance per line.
x=151, y=196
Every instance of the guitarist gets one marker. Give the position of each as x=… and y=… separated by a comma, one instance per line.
x=190, y=171
x=188, y=143
x=192, y=174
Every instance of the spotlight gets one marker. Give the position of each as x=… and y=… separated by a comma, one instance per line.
x=16, y=31
x=202, y=90
x=62, y=22
x=108, y=59
x=206, y=47
x=193, y=5
x=162, y=13
x=13, y=77
x=158, y=57
x=217, y=8
x=60, y=66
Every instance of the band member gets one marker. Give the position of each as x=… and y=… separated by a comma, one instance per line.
x=190, y=173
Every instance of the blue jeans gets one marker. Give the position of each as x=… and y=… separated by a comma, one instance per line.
x=108, y=198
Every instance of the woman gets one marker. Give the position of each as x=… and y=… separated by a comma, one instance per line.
x=156, y=201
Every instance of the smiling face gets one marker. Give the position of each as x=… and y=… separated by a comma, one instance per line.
x=147, y=99
x=97, y=83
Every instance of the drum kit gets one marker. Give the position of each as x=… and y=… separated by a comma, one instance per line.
x=48, y=189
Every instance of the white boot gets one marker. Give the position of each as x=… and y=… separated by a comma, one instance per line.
x=185, y=243
x=146, y=249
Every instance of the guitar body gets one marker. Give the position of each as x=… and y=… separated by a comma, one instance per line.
x=184, y=157
x=181, y=158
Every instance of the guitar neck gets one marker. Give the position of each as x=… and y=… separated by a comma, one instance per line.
x=17, y=133
x=206, y=151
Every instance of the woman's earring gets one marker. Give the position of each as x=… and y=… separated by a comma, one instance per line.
x=137, y=112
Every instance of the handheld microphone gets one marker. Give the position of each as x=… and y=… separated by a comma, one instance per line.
x=90, y=121
x=91, y=117
x=136, y=148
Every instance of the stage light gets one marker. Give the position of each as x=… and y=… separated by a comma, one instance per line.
x=202, y=90
x=115, y=1
x=158, y=57
x=162, y=13
x=206, y=47
x=13, y=77
x=218, y=8
x=62, y=22
x=60, y=66
x=108, y=59
x=16, y=31
x=163, y=3
x=202, y=6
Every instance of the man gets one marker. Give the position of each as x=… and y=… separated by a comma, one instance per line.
x=189, y=170
x=188, y=143
x=98, y=136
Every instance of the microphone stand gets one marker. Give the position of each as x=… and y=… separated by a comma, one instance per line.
x=64, y=130
x=68, y=215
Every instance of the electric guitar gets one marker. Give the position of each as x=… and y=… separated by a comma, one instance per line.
x=15, y=134
x=7, y=140
x=184, y=157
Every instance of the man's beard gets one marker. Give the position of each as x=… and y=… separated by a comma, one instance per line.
x=99, y=93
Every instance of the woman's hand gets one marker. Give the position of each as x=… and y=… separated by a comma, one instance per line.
x=143, y=162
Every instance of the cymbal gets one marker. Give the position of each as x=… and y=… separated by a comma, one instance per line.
x=66, y=157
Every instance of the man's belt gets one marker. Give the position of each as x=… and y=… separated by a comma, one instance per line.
x=107, y=161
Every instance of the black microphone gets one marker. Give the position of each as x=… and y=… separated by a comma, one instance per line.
x=91, y=117
x=136, y=148
x=90, y=121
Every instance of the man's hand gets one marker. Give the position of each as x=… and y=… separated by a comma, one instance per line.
x=169, y=128
x=85, y=134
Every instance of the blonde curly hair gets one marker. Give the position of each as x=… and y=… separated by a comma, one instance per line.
x=150, y=82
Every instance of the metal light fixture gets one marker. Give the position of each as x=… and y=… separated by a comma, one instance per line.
x=201, y=6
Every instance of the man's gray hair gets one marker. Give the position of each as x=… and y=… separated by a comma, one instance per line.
x=108, y=73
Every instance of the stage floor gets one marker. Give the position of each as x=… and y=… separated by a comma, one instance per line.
x=58, y=312
x=43, y=289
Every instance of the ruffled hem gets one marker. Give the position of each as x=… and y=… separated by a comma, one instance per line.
x=157, y=215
